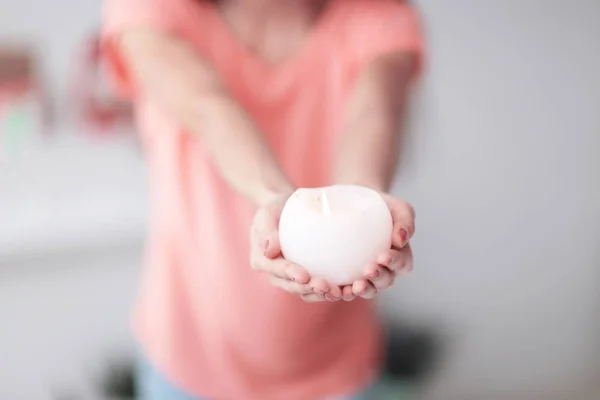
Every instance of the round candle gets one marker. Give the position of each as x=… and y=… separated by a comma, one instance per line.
x=334, y=232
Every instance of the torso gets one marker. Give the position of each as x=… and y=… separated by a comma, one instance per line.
x=277, y=33
x=209, y=322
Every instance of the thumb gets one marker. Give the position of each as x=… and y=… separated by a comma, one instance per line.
x=267, y=233
x=267, y=219
x=271, y=246
x=403, y=216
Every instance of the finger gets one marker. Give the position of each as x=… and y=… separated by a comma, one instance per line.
x=272, y=248
x=372, y=270
x=265, y=222
x=364, y=288
x=264, y=245
x=403, y=216
x=398, y=261
x=360, y=286
x=314, y=298
x=262, y=259
x=265, y=231
x=289, y=286
x=319, y=285
x=282, y=268
x=334, y=294
x=347, y=293
x=382, y=279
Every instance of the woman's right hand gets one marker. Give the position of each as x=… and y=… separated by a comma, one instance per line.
x=265, y=256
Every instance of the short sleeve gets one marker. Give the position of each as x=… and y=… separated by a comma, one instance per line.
x=386, y=26
x=119, y=16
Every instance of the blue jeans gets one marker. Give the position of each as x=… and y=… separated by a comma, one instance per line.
x=152, y=386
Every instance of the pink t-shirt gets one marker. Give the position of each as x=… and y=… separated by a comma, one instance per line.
x=208, y=322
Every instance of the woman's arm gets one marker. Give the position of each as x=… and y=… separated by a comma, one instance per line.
x=368, y=154
x=170, y=73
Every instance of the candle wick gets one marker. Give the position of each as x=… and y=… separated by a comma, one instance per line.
x=325, y=203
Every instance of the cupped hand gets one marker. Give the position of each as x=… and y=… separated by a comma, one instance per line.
x=382, y=272
x=266, y=257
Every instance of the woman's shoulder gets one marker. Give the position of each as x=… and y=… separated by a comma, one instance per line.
x=364, y=16
x=367, y=28
x=171, y=14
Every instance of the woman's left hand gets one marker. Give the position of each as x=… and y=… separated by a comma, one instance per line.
x=382, y=272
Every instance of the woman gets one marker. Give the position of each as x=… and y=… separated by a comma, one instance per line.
x=239, y=102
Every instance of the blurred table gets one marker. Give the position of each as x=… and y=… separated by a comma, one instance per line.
x=72, y=191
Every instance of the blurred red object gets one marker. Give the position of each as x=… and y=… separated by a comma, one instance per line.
x=24, y=106
x=99, y=109
x=18, y=74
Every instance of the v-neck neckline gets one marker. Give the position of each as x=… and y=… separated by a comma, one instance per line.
x=289, y=63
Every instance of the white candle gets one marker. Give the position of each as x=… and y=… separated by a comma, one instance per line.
x=334, y=232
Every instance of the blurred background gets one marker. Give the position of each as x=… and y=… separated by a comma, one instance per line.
x=502, y=165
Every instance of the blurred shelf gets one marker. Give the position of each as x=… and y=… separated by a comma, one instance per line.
x=72, y=191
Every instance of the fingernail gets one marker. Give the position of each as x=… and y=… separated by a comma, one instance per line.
x=330, y=297
x=374, y=274
x=403, y=236
x=266, y=247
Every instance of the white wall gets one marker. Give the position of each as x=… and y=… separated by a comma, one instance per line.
x=63, y=318
x=71, y=228
x=505, y=177
x=503, y=170
x=57, y=29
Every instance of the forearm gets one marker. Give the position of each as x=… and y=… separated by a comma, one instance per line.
x=239, y=150
x=368, y=154
x=372, y=128
x=185, y=86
